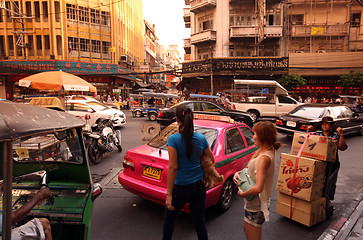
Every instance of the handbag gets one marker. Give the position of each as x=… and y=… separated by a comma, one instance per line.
x=246, y=182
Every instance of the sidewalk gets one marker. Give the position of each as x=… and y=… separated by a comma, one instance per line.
x=350, y=225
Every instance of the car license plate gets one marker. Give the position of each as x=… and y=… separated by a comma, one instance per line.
x=152, y=172
x=291, y=124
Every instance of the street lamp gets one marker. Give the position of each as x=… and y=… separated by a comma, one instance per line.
x=211, y=71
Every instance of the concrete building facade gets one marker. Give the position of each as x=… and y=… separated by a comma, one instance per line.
x=100, y=40
x=263, y=39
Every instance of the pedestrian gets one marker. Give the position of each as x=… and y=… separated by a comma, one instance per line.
x=185, y=174
x=261, y=168
x=332, y=168
x=300, y=99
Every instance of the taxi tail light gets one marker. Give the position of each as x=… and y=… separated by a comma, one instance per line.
x=234, y=106
x=306, y=127
x=87, y=116
x=279, y=122
x=160, y=115
x=128, y=163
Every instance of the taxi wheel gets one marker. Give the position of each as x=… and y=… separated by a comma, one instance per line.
x=225, y=199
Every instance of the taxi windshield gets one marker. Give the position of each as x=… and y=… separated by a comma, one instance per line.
x=97, y=105
x=63, y=146
x=161, y=139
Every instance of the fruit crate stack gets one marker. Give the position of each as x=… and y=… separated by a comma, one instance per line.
x=300, y=180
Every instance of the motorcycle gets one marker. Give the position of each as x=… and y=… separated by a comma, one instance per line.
x=103, y=139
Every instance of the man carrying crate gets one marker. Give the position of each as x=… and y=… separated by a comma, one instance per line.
x=331, y=175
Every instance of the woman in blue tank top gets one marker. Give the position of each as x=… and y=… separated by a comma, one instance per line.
x=185, y=175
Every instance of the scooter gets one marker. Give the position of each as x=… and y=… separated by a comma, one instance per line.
x=103, y=140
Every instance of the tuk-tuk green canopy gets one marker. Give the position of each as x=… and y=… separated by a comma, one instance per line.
x=20, y=120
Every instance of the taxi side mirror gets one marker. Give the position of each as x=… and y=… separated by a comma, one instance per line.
x=97, y=191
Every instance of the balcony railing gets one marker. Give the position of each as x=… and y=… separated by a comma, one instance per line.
x=205, y=36
x=322, y=30
x=202, y=5
x=273, y=31
x=245, y=31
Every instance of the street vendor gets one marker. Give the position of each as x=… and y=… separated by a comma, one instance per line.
x=37, y=228
x=332, y=168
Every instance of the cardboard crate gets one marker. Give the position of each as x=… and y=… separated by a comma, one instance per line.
x=309, y=178
x=307, y=213
x=317, y=147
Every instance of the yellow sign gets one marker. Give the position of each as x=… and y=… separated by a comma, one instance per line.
x=317, y=30
x=214, y=117
x=112, y=49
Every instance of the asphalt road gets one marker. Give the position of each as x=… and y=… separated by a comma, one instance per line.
x=119, y=214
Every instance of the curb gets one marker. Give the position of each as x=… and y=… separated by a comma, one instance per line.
x=340, y=228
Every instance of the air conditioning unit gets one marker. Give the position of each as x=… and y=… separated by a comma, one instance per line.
x=126, y=59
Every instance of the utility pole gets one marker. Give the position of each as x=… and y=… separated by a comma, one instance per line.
x=211, y=71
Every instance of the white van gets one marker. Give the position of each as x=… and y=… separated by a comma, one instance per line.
x=261, y=98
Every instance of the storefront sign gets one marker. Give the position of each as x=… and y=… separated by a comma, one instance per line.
x=79, y=68
x=229, y=64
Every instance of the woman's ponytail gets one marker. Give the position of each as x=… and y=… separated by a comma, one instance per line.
x=185, y=115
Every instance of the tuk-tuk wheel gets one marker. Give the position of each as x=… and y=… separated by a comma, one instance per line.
x=138, y=114
x=153, y=116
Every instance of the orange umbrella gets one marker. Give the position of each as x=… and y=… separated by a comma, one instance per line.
x=56, y=80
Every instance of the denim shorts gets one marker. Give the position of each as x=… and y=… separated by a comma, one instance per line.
x=254, y=218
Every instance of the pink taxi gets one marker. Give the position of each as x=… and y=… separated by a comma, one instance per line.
x=146, y=166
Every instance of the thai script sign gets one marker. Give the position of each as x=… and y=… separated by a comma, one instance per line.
x=242, y=64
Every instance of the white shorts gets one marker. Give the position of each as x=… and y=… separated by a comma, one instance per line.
x=30, y=230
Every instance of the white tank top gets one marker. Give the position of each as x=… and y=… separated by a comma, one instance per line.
x=262, y=202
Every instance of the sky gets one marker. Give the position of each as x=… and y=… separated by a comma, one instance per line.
x=167, y=15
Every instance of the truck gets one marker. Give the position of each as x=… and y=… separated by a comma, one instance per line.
x=261, y=98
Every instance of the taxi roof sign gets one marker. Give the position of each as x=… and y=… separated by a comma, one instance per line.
x=214, y=117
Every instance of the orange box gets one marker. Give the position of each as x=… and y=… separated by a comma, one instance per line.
x=309, y=178
x=317, y=147
x=307, y=213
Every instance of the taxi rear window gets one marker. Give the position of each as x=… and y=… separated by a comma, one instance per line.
x=161, y=140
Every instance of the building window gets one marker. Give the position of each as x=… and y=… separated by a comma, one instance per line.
x=8, y=14
x=30, y=45
x=11, y=45
x=84, y=45
x=205, y=23
x=57, y=11
x=59, y=45
x=71, y=12
x=105, y=47
x=96, y=46
x=95, y=16
x=2, y=47
x=355, y=19
x=297, y=19
x=28, y=7
x=39, y=45
x=105, y=18
x=37, y=11
x=83, y=14
x=72, y=44
x=46, y=42
x=237, y=20
x=45, y=11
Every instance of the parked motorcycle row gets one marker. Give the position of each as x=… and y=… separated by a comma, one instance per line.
x=101, y=139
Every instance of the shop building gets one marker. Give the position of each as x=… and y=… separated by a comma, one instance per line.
x=263, y=39
x=98, y=40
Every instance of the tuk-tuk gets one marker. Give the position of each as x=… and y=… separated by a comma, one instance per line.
x=152, y=102
x=40, y=146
